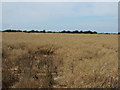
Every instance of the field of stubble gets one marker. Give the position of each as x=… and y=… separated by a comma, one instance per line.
x=32, y=60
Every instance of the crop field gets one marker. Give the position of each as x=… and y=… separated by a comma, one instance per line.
x=56, y=60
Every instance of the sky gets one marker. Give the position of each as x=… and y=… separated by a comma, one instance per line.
x=59, y=0
x=57, y=16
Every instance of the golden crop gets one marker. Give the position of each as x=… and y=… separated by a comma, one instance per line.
x=37, y=60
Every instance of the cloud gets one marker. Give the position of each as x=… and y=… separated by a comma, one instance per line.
x=59, y=15
x=0, y=16
x=28, y=12
x=60, y=0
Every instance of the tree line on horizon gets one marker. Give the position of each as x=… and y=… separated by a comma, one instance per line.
x=64, y=31
x=44, y=31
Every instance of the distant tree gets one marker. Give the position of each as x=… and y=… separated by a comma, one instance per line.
x=24, y=31
x=106, y=33
x=76, y=31
x=88, y=32
x=94, y=32
x=81, y=32
x=44, y=31
x=9, y=30
x=68, y=31
x=32, y=31
x=49, y=31
x=63, y=31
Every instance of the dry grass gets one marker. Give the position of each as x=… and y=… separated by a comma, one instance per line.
x=59, y=60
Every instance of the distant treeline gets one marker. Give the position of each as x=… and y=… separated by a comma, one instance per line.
x=64, y=31
x=43, y=31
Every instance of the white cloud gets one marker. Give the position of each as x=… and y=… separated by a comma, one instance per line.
x=35, y=12
x=105, y=9
x=60, y=0
x=25, y=14
x=0, y=16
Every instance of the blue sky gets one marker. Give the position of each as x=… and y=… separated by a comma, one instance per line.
x=101, y=17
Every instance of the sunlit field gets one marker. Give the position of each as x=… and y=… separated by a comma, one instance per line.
x=56, y=60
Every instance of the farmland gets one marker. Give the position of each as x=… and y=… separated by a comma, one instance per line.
x=56, y=60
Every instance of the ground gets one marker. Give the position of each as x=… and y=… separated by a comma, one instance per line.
x=37, y=60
